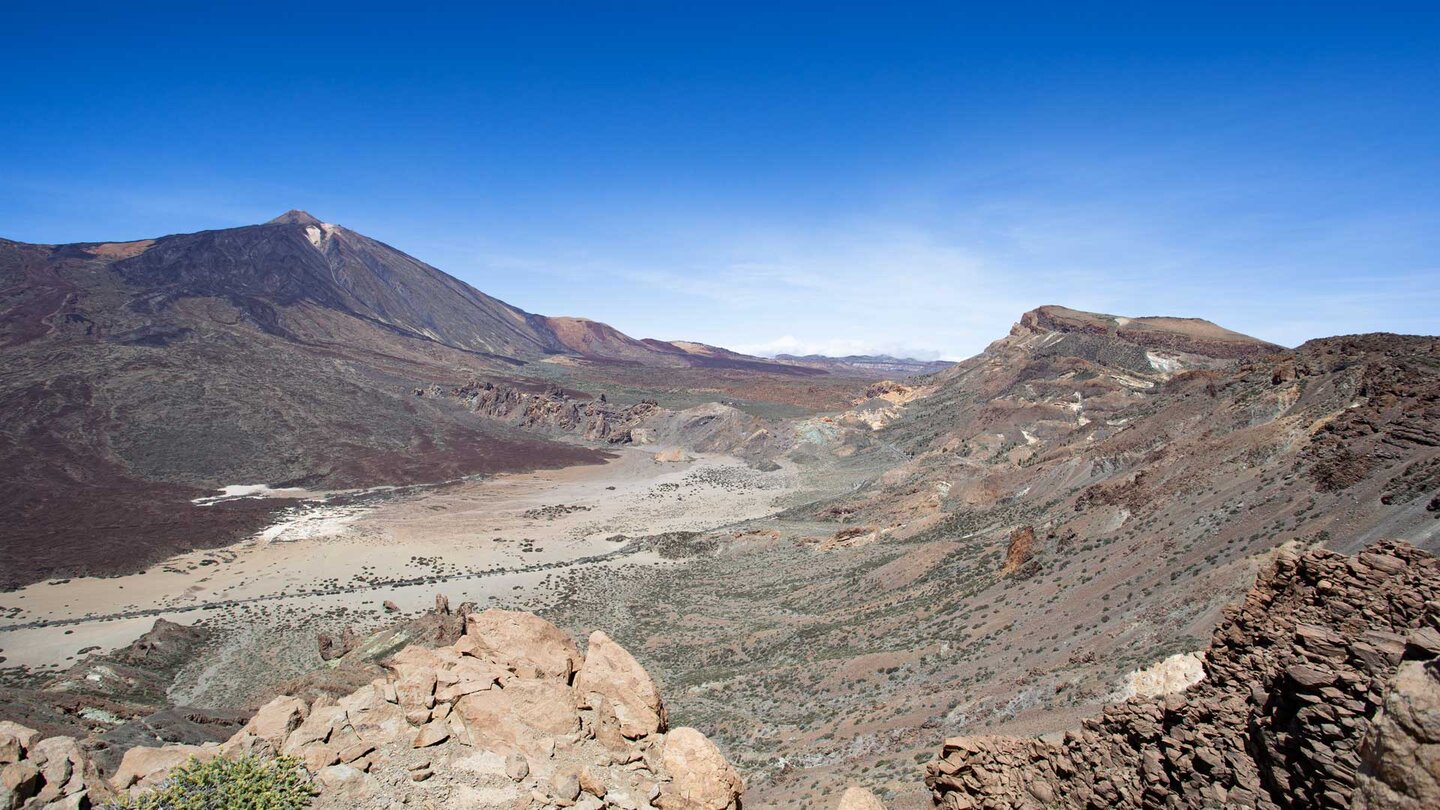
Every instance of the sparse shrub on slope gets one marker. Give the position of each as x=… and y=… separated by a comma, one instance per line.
x=247, y=783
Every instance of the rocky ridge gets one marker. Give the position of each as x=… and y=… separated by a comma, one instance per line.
x=511, y=715
x=1321, y=689
x=120, y=699
x=714, y=427
x=553, y=409
x=1192, y=336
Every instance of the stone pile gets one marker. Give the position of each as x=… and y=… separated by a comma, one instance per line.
x=509, y=716
x=1286, y=717
x=53, y=772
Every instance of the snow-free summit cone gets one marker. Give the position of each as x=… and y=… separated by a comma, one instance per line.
x=295, y=217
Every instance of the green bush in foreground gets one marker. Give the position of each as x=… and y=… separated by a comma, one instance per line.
x=247, y=783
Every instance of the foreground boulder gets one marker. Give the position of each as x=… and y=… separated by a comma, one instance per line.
x=52, y=773
x=1296, y=676
x=702, y=779
x=614, y=684
x=509, y=716
x=858, y=798
x=146, y=766
x=1400, y=756
x=524, y=643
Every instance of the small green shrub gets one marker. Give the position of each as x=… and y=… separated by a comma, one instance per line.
x=247, y=783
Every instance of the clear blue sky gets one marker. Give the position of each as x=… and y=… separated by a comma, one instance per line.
x=834, y=176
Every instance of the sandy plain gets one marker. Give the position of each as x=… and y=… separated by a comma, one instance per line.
x=503, y=541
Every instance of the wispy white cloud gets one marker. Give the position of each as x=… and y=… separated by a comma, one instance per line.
x=945, y=286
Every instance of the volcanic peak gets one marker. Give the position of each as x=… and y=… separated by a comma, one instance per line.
x=295, y=217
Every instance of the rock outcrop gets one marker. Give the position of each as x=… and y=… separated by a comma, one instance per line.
x=553, y=408
x=1400, y=756
x=1295, y=675
x=1188, y=335
x=52, y=773
x=509, y=716
x=114, y=700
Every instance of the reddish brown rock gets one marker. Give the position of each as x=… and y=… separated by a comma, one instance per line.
x=276, y=719
x=1019, y=552
x=1400, y=756
x=517, y=721
x=627, y=696
x=526, y=644
x=700, y=778
x=1295, y=675
x=143, y=765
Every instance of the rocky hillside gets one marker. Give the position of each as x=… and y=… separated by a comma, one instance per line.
x=1122, y=431
x=1022, y=536
x=1321, y=690
x=511, y=715
x=1165, y=337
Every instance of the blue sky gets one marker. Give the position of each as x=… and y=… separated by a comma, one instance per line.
x=841, y=177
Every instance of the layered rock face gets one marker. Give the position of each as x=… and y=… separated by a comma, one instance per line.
x=1188, y=335
x=553, y=409
x=1297, y=677
x=509, y=716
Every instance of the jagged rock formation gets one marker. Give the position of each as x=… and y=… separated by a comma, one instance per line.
x=48, y=772
x=551, y=409
x=1295, y=675
x=511, y=715
x=714, y=427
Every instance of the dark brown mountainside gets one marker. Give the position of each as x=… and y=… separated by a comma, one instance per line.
x=299, y=263
x=141, y=375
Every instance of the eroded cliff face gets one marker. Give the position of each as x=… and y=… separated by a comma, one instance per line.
x=552, y=408
x=711, y=428
x=1296, y=676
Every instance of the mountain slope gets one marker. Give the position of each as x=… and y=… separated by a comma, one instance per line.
x=142, y=375
x=1118, y=432
x=298, y=262
x=1028, y=528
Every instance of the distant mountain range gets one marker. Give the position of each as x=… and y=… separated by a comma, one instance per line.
x=882, y=363
x=986, y=544
x=140, y=375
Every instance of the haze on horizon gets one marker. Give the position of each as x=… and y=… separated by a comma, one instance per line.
x=815, y=178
